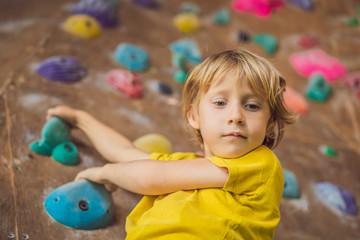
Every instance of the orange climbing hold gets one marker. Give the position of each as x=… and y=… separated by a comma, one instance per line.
x=295, y=102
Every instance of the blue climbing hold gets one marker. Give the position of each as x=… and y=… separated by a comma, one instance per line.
x=306, y=5
x=187, y=48
x=81, y=204
x=132, y=57
x=54, y=132
x=62, y=69
x=318, y=89
x=66, y=153
x=266, y=41
x=291, y=187
x=337, y=197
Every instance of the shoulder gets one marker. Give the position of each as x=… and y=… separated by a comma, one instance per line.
x=174, y=156
x=251, y=173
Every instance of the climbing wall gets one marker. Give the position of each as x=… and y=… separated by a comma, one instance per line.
x=322, y=147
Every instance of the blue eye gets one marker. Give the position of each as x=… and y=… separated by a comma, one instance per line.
x=252, y=106
x=220, y=103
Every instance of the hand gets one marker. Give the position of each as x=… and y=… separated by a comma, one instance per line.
x=94, y=174
x=66, y=113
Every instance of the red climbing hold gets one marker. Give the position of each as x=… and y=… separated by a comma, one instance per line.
x=126, y=82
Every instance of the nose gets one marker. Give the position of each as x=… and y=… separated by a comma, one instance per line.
x=236, y=115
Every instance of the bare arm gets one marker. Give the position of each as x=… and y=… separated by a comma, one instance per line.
x=153, y=177
x=112, y=145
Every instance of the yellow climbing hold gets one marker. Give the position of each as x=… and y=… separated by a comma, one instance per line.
x=187, y=22
x=153, y=143
x=82, y=25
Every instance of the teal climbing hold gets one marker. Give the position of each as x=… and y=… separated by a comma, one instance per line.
x=189, y=8
x=80, y=204
x=266, y=41
x=291, y=188
x=55, y=142
x=54, y=132
x=180, y=76
x=318, y=89
x=221, y=17
x=179, y=61
x=328, y=151
x=188, y=48
x=66, y=153
x=132, y=57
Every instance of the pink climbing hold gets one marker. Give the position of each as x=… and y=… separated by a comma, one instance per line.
x=308, y=40
x=295, y=102
x=311, y=61
x=126, y=82
x=261, y=8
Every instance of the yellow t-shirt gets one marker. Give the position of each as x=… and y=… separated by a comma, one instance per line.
x=247, y=207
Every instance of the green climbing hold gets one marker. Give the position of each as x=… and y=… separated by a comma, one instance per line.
x=221, y=17
x=358, y=9
x=318, y=89
x=352, y=21
x=328, y=151
x=66, y=153
x=266, y=41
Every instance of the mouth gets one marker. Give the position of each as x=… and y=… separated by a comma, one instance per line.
x=234, y=135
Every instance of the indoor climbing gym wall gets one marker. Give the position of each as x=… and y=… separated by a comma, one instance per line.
x=126, y=61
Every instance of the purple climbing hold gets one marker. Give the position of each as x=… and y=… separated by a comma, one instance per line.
x=306, y=5
x=337, y=197
x=151, y=4
x=62, y=69
x=102, y=10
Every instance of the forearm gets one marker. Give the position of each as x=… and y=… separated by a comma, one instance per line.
x=135, y=176
x=109, y=143
x=153, y=177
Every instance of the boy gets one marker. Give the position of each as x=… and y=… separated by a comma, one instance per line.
x=233, y=101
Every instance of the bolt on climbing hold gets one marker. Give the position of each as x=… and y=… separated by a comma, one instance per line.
x=337, y=197
x=80, y=204
x=62, y=69
x=318, y=89
x=133, y=57
x=55, y=142
x=82, y=25
x=153, y=143
x=328, y=151
x=127, y=82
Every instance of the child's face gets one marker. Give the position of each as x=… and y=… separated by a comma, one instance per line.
x=232, y=118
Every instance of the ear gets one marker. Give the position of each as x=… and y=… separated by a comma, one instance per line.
x=193, y=119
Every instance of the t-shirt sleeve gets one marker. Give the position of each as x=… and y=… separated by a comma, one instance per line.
x=250, y=173
x=174, y=156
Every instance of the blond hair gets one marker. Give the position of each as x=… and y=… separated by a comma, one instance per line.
x=262, y=77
